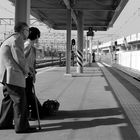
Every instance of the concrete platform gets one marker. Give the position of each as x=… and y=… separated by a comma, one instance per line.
x=94, y=105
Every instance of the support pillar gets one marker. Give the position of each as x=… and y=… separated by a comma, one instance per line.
x=22, y=11
x=86, y=50
x=80, y=43
x=98, y=57
x=68, y=47
x=90, y=48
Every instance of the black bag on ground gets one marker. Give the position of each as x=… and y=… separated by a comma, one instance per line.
x=50, y=107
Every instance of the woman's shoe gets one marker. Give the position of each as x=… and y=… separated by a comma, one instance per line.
x=29, y=130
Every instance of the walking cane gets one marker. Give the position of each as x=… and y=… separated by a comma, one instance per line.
x=37, y=110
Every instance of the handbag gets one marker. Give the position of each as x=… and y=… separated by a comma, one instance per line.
x=50, y=107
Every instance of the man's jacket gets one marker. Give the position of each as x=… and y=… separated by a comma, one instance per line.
x=12, y=61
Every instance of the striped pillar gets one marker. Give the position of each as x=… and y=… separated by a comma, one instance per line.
x=80, y=42
x=79, y=58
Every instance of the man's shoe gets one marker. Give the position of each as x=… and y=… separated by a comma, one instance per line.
x=29, y=130
x=7, y=127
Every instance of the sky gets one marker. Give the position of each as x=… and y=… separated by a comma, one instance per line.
x=127, y=23
x=7, y=10
x=129, y=20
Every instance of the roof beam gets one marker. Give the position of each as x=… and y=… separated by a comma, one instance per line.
x=94, y=9
x=67, y=3
x=41, y=17
x=117, y=12
x=47, y=8
x=79, y=9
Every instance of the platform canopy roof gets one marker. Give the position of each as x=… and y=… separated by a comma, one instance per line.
x=98, y=14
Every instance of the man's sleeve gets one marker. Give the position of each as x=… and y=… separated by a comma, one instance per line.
x=27, y=49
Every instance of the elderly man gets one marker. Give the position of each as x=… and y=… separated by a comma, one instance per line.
x=12, y=75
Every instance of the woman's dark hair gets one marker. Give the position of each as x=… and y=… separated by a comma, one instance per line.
x=19, y=26
x=34, y=33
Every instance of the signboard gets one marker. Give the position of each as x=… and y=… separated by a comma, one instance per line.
x=90, y=32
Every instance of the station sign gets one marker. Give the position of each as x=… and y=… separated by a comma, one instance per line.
x=128, y=39
x=138, y=36
x=120, y=41
x=133, y=37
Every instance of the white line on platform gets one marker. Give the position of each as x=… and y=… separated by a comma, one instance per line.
x=45, y=70
x=100, y=65
x=106, y=64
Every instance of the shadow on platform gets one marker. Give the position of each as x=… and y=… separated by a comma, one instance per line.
x=82, y=119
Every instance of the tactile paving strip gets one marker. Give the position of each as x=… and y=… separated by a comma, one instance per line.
x=129, y=103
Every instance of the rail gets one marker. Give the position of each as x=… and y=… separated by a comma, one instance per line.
x=51, y=62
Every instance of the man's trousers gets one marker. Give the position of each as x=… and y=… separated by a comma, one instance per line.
x=14, y=107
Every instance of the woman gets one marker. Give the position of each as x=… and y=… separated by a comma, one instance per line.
x=30, y=55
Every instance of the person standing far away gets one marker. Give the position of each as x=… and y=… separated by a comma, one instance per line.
x=12, y=75
x=93, y=56
x=30, y=55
